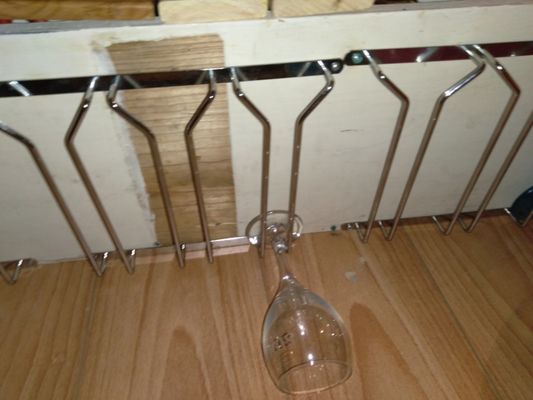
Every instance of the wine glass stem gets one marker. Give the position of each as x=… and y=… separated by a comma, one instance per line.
x=283, y=264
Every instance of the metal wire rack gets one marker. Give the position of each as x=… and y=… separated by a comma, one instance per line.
x=480, y=55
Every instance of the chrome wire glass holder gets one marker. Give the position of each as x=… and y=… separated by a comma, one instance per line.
x=193, y=162
x=509, y=107
x=430, y=128
x=297, y=145
x=487, y=52
x=127, y=259
x=365, y=229
x=504, y=167
x=179, y=248
x=111, y=84
x=265, y=168
x=97, y=261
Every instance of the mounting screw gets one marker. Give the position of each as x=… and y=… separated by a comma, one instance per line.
x=357, y=57
x=335, y=66
x=348, y=226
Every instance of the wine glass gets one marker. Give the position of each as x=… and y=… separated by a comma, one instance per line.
x=305, y=345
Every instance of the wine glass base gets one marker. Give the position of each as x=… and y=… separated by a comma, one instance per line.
x=277, y=222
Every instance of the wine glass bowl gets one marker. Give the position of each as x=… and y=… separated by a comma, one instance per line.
x=305, y=345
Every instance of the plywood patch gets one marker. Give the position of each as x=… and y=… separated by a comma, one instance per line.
x=166, y=112
x=293, y=8
x=77, y=9
x=183, y=53
x=188, y=11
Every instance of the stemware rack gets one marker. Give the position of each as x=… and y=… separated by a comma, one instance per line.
x=481, y=55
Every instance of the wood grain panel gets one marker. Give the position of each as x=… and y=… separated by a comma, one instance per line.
x=187, y=11
x=484, y=277
x=196, y=333
x=198, y=329
x=388, y=362
x=77, y=9
x=184, y=53
x=416, y=297
x=166, y=111
x=424, y=323
x=293, y=8
x=44, y=319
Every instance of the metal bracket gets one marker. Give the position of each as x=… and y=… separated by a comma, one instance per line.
x=437, y=53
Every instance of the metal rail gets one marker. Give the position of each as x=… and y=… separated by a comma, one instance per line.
x=34, y=87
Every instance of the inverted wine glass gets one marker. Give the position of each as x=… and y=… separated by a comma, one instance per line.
x=305, y=344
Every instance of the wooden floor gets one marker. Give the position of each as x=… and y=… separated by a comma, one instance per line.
x=431, y=317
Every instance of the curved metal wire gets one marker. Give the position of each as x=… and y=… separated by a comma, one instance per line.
x=499, y=177
x=265, y=158
x=16, y=266
x=298, y=130
x=365, y=231
x=521, y=224
x=84, y=175
x=430, y=128
x=509, y=107
x=193, y=163
x=97, y=262
x=158, y=165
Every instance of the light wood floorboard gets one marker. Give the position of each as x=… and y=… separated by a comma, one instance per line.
x=489, y=290
x=430, y=317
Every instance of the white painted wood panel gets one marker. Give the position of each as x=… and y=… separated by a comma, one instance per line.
x=344, y=140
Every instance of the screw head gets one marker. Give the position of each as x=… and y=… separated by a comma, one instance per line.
x=335, y=66
x=357, y=57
